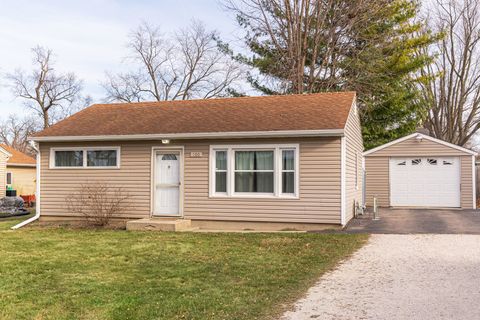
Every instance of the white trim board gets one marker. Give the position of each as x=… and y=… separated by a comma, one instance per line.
x=474, y=183
x=343, y=182
x=199, y=135
x=421, y=136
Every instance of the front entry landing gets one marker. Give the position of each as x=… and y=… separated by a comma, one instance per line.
x=160, y=224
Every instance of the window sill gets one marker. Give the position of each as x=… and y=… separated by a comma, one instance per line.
x=254, y=196
x=84, y=168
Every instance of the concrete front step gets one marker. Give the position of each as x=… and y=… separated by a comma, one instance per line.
x=159, y=224
x=192, y=229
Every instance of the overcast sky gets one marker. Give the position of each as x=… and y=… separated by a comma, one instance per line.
x=88, y=37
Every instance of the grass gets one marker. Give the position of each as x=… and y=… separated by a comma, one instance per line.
x=7, y=222
x=55, y=273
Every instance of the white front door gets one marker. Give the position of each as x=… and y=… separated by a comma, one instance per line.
x=425, y=182
x=167, y=183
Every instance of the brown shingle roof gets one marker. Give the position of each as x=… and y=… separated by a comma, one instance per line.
x=18, y=157
x=265, y=113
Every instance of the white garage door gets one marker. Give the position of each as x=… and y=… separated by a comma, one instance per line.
x=425, y=182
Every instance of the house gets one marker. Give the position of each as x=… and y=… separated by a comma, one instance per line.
x=270, y=162
x=4, y=155
x=20, y=172
x=421, y=171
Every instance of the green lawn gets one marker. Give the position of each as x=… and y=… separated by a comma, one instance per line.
x=6, y=223
x=106, y=274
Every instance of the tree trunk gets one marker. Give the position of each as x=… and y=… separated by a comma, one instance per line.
x=46, y=120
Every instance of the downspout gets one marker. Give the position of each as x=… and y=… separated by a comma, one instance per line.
x=37, y=196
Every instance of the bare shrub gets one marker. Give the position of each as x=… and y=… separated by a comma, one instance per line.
x=97, y=202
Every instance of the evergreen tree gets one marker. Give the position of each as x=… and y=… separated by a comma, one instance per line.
x=369, y=46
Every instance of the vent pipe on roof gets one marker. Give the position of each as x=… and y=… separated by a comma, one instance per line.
x=424, y=131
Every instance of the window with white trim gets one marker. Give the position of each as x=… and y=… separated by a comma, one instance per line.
x=221, y=171
x=288, y=171
x=254, y=170
x=91, y=157
x=69, y=158
x=102, y=158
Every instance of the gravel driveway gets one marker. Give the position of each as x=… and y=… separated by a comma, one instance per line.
x=400, y=277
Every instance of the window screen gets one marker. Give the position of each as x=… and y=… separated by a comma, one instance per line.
x=69, y=158
x=221, y=171
x=102, y=158
x=254, y=171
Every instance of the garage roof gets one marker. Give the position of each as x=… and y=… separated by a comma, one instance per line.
x=419, y=136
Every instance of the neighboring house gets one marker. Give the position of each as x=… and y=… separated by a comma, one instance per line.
x=421, y=171
x=273, y=161
x=4, y=155
x=20, y=172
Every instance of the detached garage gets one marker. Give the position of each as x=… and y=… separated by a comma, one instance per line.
x=420, y=171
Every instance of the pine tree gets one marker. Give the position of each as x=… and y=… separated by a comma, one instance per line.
x=369, y=46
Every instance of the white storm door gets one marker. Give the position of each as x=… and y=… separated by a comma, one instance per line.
x=167, y=183
x=425, y=182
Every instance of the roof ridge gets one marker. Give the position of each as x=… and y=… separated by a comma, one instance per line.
x=202, y=100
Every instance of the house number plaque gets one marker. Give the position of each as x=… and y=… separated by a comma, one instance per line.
x=196, y=154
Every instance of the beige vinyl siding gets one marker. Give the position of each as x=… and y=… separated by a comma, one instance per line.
x=413, y=147
x=23, y=179
x=377, y=168
x=377, y=181
x=354, y=150
x=466, y=181
x=319, y=200
x=3, y=177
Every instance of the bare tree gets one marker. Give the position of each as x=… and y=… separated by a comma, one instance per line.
x=307, y=39
x=451, y=84
x=14, y=132
x=49, y=93
x=186, y=65
x=97, y=202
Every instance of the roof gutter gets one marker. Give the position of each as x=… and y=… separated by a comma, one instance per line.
x=37, y=195
x=200, y=135
x=26, y=165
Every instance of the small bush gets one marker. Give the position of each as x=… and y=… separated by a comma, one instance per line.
x=97, y=202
